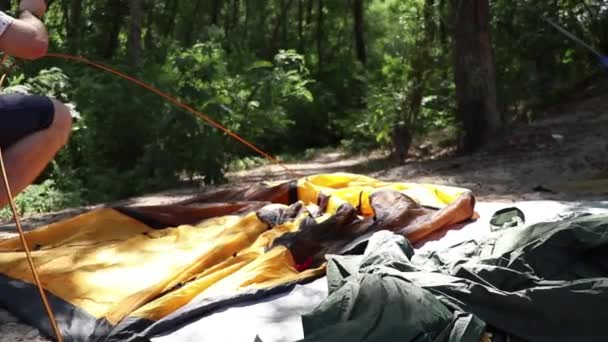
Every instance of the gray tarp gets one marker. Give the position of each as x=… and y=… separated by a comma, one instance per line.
x=545, y=282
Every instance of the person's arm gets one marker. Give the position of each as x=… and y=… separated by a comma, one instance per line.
x=25, y=37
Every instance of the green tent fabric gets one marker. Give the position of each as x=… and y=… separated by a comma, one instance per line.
x=372, y=300
x=544, y=282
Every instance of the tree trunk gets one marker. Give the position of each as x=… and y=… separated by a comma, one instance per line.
x=115, y=7
x=474, y=74
x=246, y=23
x=281, y=17
x=215, y=12
x=74, y=24
x=135, y=30
x=320, y=18
x=310, y=8
x=358, y=14
x=284, y=25
x=405, y=126
x=236, y=9
x=307, y=30
x=169, y=22
x=149, y=39
x=301, y=26
x=192, y=22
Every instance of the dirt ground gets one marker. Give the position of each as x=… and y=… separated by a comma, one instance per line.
x=569, y=145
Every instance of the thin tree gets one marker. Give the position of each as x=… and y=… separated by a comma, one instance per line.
x=474, y=74
x=320, y=33
x=135, y=33
x=74, y=19
x=280, y=19
x=358, y=14
x=411, y=105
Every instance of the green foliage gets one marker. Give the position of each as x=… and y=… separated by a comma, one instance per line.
x=52, y=82
x=396, y=79
x=42, y=198
x=250, y=103
x=536, y=65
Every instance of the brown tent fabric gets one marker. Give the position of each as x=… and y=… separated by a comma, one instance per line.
x=393, y=210
x=162, y=216
x=282, y=193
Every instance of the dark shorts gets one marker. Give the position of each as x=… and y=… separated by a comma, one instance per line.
x=22, y=115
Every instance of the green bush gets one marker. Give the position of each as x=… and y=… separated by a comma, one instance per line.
x=43, y=198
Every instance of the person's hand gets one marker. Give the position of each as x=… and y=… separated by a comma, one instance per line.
x=37, y=7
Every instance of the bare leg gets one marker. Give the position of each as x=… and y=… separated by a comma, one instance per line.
x=26, y=159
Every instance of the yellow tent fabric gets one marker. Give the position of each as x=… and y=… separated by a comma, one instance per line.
x=356, y=189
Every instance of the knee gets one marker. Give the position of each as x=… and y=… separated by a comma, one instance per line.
x=62, y=121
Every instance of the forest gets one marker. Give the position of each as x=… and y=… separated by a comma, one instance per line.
x=292, y=76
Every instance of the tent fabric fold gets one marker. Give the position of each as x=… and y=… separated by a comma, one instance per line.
x=371, y=298
x=126, y=272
